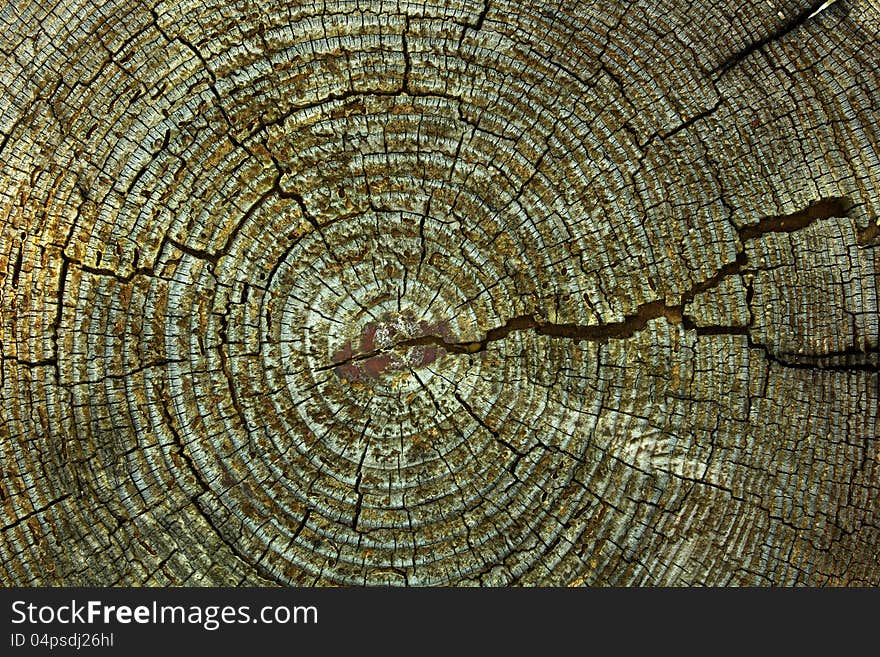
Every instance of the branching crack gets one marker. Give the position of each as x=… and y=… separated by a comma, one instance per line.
x=646, y=312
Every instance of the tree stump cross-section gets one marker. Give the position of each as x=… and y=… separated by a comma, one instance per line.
x=464, y=293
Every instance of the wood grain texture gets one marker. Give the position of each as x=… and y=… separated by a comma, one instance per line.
x=502, y=293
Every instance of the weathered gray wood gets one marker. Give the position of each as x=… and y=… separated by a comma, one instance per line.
x=502, y=293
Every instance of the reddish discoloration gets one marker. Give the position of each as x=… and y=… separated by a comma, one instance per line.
x=368, y=337
x=348, y=371
x=378, y=352
x=374, y=366
x=429, y=355
x=343, y=354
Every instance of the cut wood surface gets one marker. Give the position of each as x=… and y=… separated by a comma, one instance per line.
x=472, y=293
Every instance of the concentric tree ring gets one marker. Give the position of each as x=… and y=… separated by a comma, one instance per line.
x=472, y=294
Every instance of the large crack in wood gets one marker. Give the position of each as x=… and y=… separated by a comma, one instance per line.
x=202, y=200
x=826, y=208
x=821, y=209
